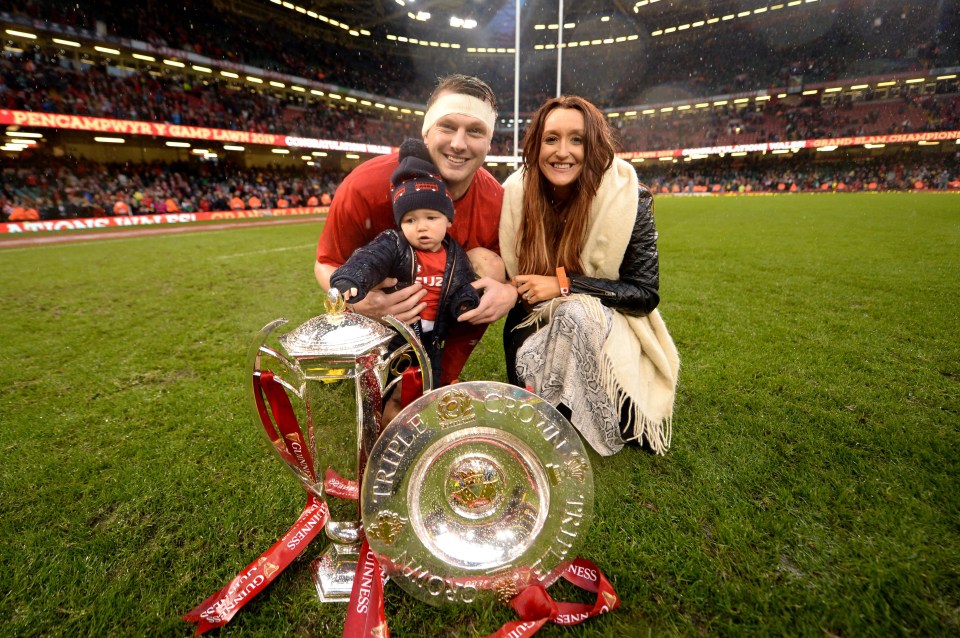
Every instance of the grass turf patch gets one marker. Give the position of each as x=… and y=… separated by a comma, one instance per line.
x=809, y=490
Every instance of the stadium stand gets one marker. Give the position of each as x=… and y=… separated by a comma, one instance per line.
x=45, y=80
x=50, y=81
x=62, y=188
x=289, y=47
x=850, y=44
x=904, y=172
x=844, y=40
x=777, y=121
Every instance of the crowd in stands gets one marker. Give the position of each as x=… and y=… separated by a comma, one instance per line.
x=200, y=27
x=779, y=122
x=895, y=173
x=848, y=41
x=49, y=80
x=63, y=188
x=43, y=80
x=46, y=187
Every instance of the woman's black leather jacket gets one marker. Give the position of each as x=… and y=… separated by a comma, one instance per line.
x=636, y=292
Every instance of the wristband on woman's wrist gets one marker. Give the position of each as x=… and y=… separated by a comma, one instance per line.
x=563, y=281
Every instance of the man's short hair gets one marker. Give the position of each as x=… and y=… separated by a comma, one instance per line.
x=465, y=84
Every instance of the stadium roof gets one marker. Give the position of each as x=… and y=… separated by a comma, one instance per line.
x=492, y=22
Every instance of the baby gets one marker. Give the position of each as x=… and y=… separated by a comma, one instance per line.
x=422, y=252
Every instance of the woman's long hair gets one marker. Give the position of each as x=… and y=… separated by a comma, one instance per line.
x=552, y=237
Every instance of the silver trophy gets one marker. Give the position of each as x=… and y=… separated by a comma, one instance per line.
x=333, y=365
x=476, y=490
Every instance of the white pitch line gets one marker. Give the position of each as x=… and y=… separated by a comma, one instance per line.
x=265, y=251
x=88, y=242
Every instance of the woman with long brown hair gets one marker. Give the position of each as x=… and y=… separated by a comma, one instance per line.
x=578, y=239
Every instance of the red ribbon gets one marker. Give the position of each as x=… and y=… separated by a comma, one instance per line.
x=366, y=617
x=336, y=485
x=536, y=607
x=219, y=609
x=287, y=438
x=411, y=387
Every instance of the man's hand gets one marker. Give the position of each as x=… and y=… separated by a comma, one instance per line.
x=404, y=304
x=498, y=295
x=495, y=302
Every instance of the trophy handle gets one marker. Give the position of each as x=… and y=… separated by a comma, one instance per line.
x=258, y=357
x=257, y=349
x=415, y=344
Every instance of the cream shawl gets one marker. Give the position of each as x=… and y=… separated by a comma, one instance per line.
x=639, y=357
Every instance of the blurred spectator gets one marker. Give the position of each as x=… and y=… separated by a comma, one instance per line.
x=120, y=207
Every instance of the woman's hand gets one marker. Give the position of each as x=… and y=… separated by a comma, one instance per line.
x=536, y=288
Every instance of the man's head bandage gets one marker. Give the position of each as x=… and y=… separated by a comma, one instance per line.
x=460, y=104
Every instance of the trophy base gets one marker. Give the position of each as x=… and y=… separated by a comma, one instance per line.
x=333, y=572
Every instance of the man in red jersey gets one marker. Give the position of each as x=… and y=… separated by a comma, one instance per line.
x=457, y=129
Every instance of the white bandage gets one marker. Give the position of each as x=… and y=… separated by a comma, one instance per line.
x=462, y=105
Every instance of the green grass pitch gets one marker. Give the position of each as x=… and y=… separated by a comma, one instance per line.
x=811, y=489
